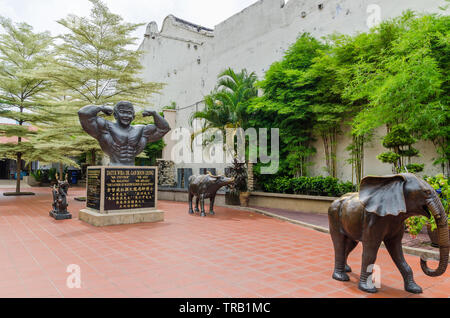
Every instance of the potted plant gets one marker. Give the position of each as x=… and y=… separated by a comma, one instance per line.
x=38, y=176
x=416, y=223
x=239, y=173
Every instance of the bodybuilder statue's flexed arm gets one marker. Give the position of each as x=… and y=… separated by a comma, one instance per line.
x=121, y=141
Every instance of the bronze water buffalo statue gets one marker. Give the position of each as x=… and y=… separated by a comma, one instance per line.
x=205, y=186
x=376, y=214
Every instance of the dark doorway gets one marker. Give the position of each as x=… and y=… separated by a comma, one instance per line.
x=4, y=169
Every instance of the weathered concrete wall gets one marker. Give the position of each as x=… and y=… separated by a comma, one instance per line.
x=182, y=196
x=372, y=166
x=188, y=58
x=292, y=202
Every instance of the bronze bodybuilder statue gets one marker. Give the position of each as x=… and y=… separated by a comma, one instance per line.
x=121, y=141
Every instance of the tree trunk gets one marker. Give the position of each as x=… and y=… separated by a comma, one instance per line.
x=329, y=143
x=61, y=171
x=250, y=182
x=93, y=159
x=18, y=171
x=358, y=158
x=326, y=148
x=333, y=150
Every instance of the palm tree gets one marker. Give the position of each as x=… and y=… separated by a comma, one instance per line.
x=226, y=106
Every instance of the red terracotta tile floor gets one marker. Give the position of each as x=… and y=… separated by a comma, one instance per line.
x=232, y=254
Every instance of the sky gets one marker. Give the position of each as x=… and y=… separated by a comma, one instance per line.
x=43, y=14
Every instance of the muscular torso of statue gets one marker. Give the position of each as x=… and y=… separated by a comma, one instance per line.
x=122, y=145
x=121, y=141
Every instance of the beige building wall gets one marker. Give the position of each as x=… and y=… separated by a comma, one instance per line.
x=372, y=166
x=188, y=58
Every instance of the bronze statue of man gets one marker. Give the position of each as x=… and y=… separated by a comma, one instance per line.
x=121, y=141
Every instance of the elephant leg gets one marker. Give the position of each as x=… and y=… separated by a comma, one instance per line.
x=394, y=247
x=349, y=247
x=190, y=203
x=339, y=255
x=202, y=205
x=196, y=205
x=369, y=256
x=211, y=205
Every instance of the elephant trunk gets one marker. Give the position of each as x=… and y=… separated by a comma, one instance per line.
x=438, y=212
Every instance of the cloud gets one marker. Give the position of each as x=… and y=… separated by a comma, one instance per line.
x=43, y=14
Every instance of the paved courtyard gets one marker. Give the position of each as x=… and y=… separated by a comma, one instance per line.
x=233, y=254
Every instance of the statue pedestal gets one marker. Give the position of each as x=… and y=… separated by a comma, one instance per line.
x=60, y=216
x=121, y=195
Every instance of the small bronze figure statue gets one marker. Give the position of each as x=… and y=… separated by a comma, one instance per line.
x=121, y=141
x=60, y=204
x=205, y=186
x=376, y=214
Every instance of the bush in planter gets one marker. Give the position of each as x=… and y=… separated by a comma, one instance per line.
x=239, y=189
x=324, y=186
x=38, y=175
x=440, y=184
x=415, y=167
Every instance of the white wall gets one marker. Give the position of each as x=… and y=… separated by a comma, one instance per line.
x=253, y=39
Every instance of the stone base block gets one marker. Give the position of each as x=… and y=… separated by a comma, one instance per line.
x=98, y=219
x=60, y=216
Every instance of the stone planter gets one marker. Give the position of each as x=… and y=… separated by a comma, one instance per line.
x=31, y=181
x=293, y=202
x=244, y=198
x=232, y=198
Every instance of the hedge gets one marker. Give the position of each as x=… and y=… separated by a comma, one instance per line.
x=323, y=186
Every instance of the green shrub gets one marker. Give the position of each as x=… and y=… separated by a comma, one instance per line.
x=442, y=187
x=388, y=157
x=37, y=175
x=323, y=186
x=415, y=167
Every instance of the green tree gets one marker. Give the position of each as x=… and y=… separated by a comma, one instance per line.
x=153, y=150
x=94, y=65
x=23, y=94
x=226, y=106
x=321, y=83
x=286, y=104
x=399, y=140
x=402, y=72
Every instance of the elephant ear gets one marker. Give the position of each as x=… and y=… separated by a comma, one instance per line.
x=383, y=195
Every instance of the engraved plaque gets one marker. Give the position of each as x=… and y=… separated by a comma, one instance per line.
x=93, y=188
x=129, y=188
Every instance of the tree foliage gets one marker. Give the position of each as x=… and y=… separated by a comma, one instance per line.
x=94, y=65
x=402, y=73
x=227, y=104
x=23, y=94
x=286, y=104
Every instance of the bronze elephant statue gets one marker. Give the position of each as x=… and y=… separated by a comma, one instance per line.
x=376, y=214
